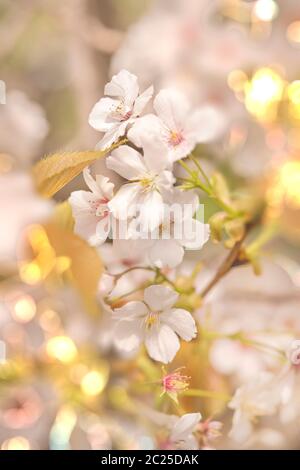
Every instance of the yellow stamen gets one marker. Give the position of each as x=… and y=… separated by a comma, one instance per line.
x=175, y=138
x=147, y=183
x=151, y=319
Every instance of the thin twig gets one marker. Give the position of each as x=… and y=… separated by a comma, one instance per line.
x=206, y=394
x=197, y=164
x=133, y=268
x=226, y=265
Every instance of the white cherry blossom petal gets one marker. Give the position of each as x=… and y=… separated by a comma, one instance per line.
x=164, y=183
x=123, y=85
x=159, y=297
x=123, y=204
x=112, y=136
x=188, y=198
x=128, y=335
x=155, y=154
x=142, y=127
x=181, y=321
x=161, y=343
x=99, y=117
x=85, y=219
x=127, y=162
x=166, y=253
x=142, y=100
x=90, y=182
x=183, y=149
x=185, y=425
x=131, y=311
x=198, y=234
x=103, y=229
x=151, y=211
x=172, y=108
x=106, y=186
x=205, y=124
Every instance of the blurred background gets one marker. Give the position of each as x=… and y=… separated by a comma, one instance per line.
x=62, y=385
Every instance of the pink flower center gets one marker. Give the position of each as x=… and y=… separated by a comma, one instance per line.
x=121, y=112
x=175, y=382
x=99, y=207
x=126, y=116
x=175, y=138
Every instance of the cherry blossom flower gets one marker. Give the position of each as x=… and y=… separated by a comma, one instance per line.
x=90, y=208
x=165, y=245
x=174, y=432
x=113, y=113
x=257, y=398
x=179, y=127
x=155, y=323
x=178, y=232
x=174, y=383
x=150, y=180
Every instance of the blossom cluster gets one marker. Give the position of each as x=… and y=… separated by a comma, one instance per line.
x=147, y=166
x=147, y=152
x=146, y=161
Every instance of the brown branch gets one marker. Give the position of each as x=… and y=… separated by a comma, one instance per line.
x=226, y=265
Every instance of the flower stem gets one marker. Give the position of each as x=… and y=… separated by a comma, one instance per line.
x=133, y=268
x=166, y=279
x=197, y=164
x=193, y=392
x=186, y=167
x=116, y=300
x=195, y=182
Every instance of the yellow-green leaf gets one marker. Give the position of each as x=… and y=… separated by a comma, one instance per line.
x=53, y=172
